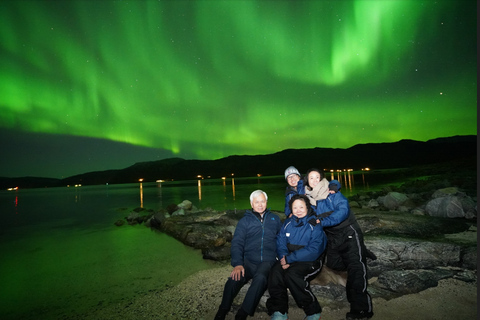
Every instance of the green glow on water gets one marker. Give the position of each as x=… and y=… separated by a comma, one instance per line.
x=61, y=273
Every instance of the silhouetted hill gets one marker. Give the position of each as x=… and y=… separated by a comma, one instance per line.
x=401, y=154
x=28, y=182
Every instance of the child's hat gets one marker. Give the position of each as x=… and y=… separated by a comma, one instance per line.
x=291, y=170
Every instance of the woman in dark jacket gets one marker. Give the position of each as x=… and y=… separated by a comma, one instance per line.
x=299, y=248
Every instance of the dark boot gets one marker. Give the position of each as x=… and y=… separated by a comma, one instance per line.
x=361, y=315
x=241, y=314
x=221, y=314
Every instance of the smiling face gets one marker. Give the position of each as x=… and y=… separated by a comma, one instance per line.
x=293, y=180
x=313, y=178
x=299, y=208
x=259, y=203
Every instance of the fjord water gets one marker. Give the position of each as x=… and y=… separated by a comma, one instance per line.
x=61, y=253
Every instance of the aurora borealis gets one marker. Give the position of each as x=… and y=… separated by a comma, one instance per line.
x=209, y=79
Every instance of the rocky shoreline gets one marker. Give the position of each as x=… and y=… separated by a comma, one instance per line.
x=424, y=235
x=198, y=296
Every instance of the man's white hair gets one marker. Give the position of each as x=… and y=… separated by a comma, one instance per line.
x=256, y=193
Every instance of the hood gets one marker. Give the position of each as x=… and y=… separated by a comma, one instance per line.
x=335, y=182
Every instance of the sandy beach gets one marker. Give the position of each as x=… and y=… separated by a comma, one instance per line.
x=198, y=297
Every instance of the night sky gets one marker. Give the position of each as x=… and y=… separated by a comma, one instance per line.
x=94, y=85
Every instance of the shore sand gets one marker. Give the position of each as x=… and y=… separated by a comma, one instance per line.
x=198, y=297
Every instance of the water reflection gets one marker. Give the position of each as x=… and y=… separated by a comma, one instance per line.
x=77, y=194
x=347, y=178
x=365, y=183
x=141, y=195
x=199, y=190
x=222, y=193
x=159, y=193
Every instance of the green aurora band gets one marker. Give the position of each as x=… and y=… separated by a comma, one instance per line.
x=218, y=78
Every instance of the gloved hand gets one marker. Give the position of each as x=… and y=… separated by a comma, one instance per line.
x=325, y=214
x=313, y=222
x=333, y=187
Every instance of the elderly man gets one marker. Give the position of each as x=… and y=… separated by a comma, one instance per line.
x=253, y=254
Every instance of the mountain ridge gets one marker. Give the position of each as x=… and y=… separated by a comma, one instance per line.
x=387, y=155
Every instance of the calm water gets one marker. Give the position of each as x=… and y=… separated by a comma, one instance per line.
x=61, y=253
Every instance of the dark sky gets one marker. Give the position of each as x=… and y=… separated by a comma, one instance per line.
x=94, y=85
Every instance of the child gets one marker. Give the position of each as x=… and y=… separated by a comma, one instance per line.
x=295, y=186
x=345, y=249
x=300, y=247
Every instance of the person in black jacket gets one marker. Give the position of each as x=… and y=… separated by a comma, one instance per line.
x=253, y=254
x=346, y=249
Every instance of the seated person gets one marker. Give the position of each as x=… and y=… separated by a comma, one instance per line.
x=253, y=254
x=300, y=247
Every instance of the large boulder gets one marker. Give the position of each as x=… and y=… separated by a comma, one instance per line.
x=393, y=254
x=393, y=200
x=445, y=207
x=208, y=230
x=411, y=281
x=451, y=203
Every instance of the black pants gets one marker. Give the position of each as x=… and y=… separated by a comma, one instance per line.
x=297, y=279
x=259, y=275
x=346, y=251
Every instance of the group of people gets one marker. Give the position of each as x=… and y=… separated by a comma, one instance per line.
x=319, y=228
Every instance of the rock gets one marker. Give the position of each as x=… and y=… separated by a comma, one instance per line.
x=202, y=230
x=217, y=253
x=394, y=199
x=372, y=203
x=119, y=223
x=328, y=276
x=179, y=212
x=132, y=216
x=171, y=208
x=469, y=207
x=408, y=255
x=467, y=276
x=330, y=292
x=411, y=281
x=185, y=205
x=469, y=258
x=205, y=236
x=135, y=218
x=451, y=191
x=445, y=207
x=354, y=204
x=160, y=216
x=418, y=211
